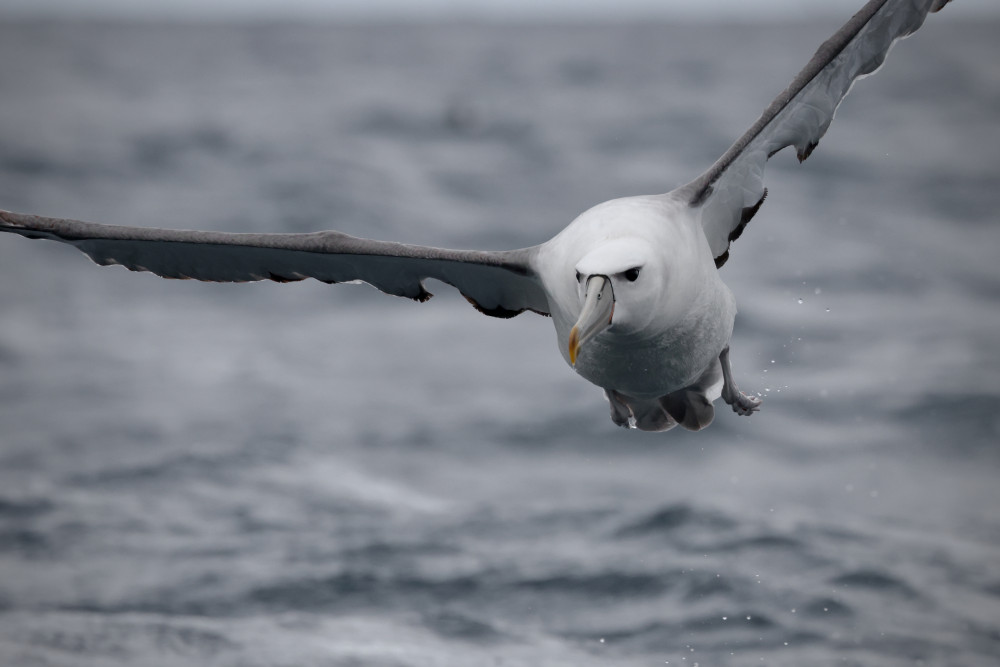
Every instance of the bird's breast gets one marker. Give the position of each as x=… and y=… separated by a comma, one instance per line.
x=655, y=362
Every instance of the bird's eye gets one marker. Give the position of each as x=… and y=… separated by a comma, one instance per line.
x=578, y=276
x=632, y=274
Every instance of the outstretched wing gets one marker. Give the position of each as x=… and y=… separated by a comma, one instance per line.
x=501, y=284
x=732, y=190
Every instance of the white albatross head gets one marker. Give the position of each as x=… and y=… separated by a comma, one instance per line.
x=620, y=284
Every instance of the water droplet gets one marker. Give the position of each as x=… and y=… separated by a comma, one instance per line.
x=817, y=291
x=800, y=300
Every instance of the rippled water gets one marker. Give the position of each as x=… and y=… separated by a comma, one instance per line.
x=199, y=474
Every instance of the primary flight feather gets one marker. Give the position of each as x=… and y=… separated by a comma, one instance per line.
x=632, y=284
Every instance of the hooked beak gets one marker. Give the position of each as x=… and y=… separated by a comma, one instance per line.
x=598, y=308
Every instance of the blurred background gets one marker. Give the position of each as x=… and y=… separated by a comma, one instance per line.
x=301, y=474
x=515, y=10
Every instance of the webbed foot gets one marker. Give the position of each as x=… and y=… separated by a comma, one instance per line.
x=741, y=403
x=731, y=394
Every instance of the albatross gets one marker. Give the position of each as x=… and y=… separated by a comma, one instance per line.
x=632, y=284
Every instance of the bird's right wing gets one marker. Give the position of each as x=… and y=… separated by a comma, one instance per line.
x=500, y=284
x=732, y=189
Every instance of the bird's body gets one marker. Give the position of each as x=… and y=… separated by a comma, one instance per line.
x=632, y=284
x=669, y=326
x=686, y=307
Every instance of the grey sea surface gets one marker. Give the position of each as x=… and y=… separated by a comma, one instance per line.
x=264, y=474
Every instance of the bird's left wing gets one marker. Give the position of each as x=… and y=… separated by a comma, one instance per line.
x=500, y=284
x=732, y=190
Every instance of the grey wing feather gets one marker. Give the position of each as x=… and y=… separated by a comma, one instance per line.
x=501, y=284
x=730, y=192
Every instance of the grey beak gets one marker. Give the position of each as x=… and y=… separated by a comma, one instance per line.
x=598, y=309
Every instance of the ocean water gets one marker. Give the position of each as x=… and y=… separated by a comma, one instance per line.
x=195, y=474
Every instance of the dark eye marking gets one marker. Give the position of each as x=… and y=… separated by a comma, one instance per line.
x=632, y=274
x=578, y=276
